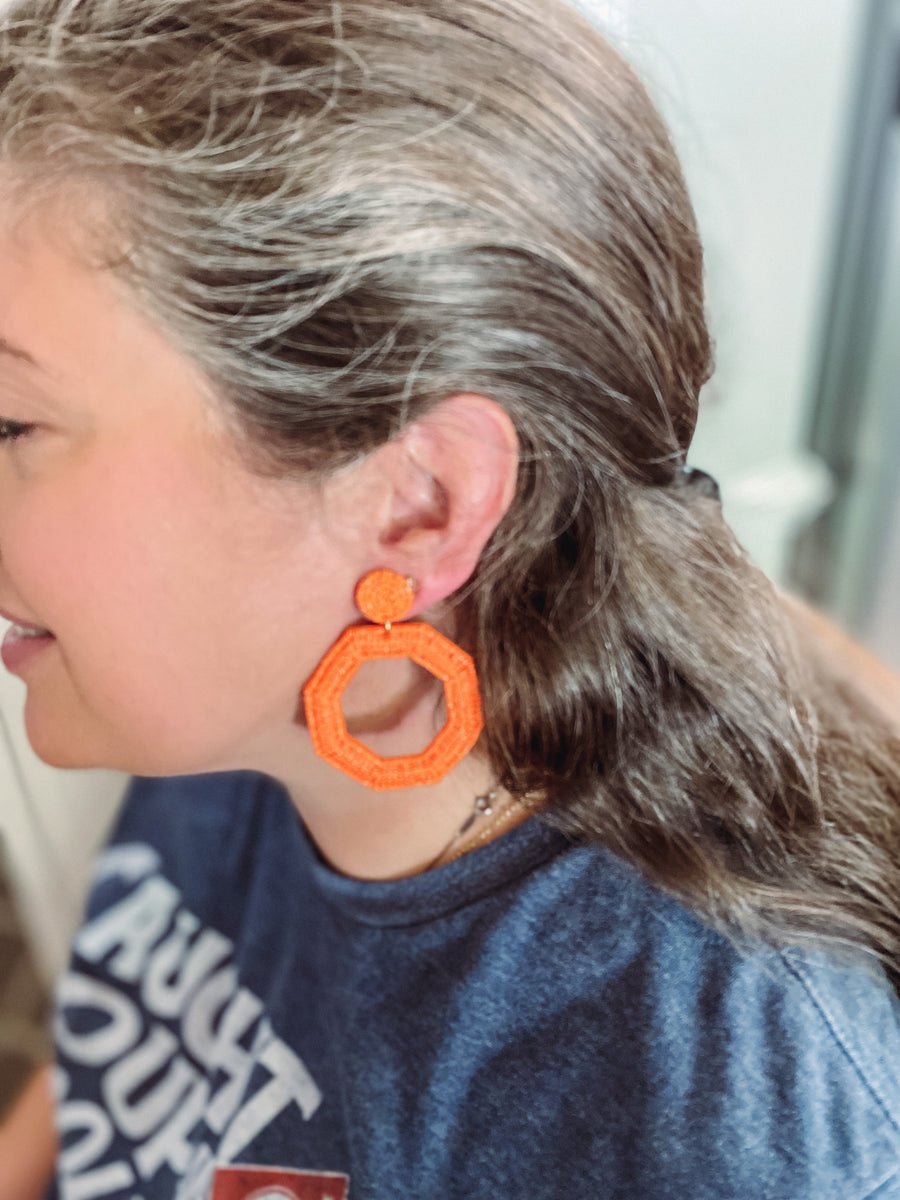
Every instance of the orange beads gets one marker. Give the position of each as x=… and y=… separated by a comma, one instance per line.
x=386, y=597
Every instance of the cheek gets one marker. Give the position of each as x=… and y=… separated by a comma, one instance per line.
x=119, y=556
x=83, y=551
x=189, y=607
x=146, y=659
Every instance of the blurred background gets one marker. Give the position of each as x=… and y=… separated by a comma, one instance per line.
x=786, y=114
x=787, y=117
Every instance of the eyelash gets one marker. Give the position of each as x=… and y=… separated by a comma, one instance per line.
x=11, y=431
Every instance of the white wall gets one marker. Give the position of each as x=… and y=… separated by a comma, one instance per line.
x=50, y=823
x=758, y=94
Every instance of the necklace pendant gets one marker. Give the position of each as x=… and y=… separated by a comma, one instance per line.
x=484, y=805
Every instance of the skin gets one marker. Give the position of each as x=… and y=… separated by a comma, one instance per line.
x=28, y=1142
x=847, y=660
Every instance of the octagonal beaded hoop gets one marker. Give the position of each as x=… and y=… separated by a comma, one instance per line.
x=385, y=597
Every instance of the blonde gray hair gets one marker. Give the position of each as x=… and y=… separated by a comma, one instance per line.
x=347, y=211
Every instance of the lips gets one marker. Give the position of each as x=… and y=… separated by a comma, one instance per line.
x=19, y=623
x=23, y=643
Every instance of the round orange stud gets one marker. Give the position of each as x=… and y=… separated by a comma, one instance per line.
x=386, y=597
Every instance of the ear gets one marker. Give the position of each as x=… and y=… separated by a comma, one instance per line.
x=452, y=478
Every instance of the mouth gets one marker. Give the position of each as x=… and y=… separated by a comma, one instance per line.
x=22, y=643
x=28, y=631
x=25, y=627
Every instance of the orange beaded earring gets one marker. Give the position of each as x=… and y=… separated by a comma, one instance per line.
x=385, y=597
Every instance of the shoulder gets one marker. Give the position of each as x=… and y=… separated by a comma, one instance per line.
x=775, y=1073
x=618, y=931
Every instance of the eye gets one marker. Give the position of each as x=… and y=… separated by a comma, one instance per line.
x=11, y=431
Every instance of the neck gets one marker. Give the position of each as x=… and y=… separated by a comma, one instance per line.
x=389, y=834
x=393, y=834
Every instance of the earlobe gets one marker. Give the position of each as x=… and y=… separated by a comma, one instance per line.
x=453, y=479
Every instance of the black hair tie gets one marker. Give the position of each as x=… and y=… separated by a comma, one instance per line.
x=700, y=482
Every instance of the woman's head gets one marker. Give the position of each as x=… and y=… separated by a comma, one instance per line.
x=357, y=226
x=347, y=213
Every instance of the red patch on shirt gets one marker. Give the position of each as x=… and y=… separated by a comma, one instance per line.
x=275, y=1183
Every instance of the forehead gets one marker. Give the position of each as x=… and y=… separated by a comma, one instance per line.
x=40, y=278
x=50, y=294
x=68, y=319
x=73, y=215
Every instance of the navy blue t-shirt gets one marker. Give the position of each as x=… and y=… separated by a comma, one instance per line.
x=532, y=1021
